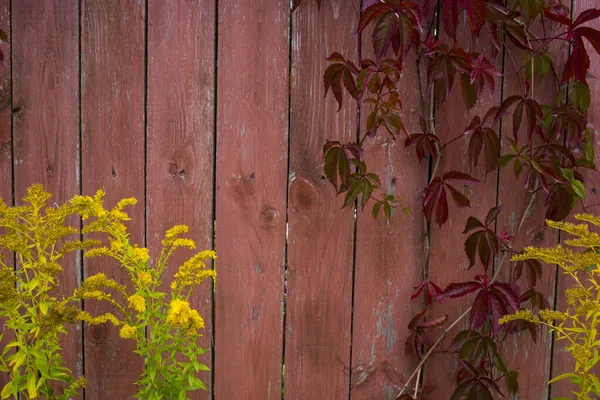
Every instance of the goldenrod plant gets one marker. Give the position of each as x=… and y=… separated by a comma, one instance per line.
x=30, y=304
x=578, y=324
x=163, y=325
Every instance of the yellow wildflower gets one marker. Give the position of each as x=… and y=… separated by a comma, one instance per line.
x=128, y=331
x=145, y=277
x=551, y=315
x=576, y=293
x=181, y=242
x=193, y=271
x=581, y=354
x=524, y=315
x=137, y=302
x=116, y=245
x=98, y=252
x=141, y=254
x=101, y=319
x=180, y=315
x=173, y=233
x=97, y=282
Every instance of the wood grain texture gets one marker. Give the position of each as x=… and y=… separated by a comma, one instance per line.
x=180, y=138
x=252, y=141
x=112, y=117
x=45, y=119
x=448, y=262
x=562, y=360
x=389, y=256
x=6, y=162
x=530, y=359
x=321, y=235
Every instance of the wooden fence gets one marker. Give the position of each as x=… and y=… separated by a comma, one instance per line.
x=212, y=114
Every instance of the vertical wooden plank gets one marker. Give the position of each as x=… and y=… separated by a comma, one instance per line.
x=448, y=262
x=389, y=256
x=6, y=162
x=45, y=118
x=321, y=236
x=532, y=364
x=252, y=134
x=180, y=136
x=112, y=113
x=562, y=361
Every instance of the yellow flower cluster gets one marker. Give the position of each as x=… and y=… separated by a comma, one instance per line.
x=145, y=277
x=101, y=319
x=137, y=302
x=552, y=315
x=141, y=254
x=577, y=293
x=194, y=271
x=95, y=283
x=173, y=233
x=127, y=331
x=180, y=315
x=7, y=285
x=524, y=315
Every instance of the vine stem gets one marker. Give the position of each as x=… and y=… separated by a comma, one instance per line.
x=417, y=371
x=417, y=383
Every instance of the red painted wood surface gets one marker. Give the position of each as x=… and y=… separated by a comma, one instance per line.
x=6, y=162
x=321, y=235
x=562, y=360
x=45, y=118
x=180, y=138
x=389, y=256
x=252, y=142
x=112, y=117
x=448, y=262
x=530, y=359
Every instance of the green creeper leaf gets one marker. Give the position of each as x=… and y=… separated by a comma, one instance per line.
x=512, y=382
x=578, y=188
x=504, y=160
x=387, y=208
x=568, y=174
x=355, y=189
x=368, y=189
x=518, y=167
x=377, y=208
x=580, y=96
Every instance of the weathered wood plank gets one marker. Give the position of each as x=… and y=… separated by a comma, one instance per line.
x=448, y=262
x=180, y=137
x=562, y=360
x=321, y=236
x=45, y=118
x=531, y=360
x=389, y=256
x=252, y=134
x=112, y=117
x=6, y=162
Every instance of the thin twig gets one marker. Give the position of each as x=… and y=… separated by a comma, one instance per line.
x=417, y=384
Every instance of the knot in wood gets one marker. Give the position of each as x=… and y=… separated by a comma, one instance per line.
x=96, y=334
x=304, y=197
x=172, y=168
x=268, y=217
